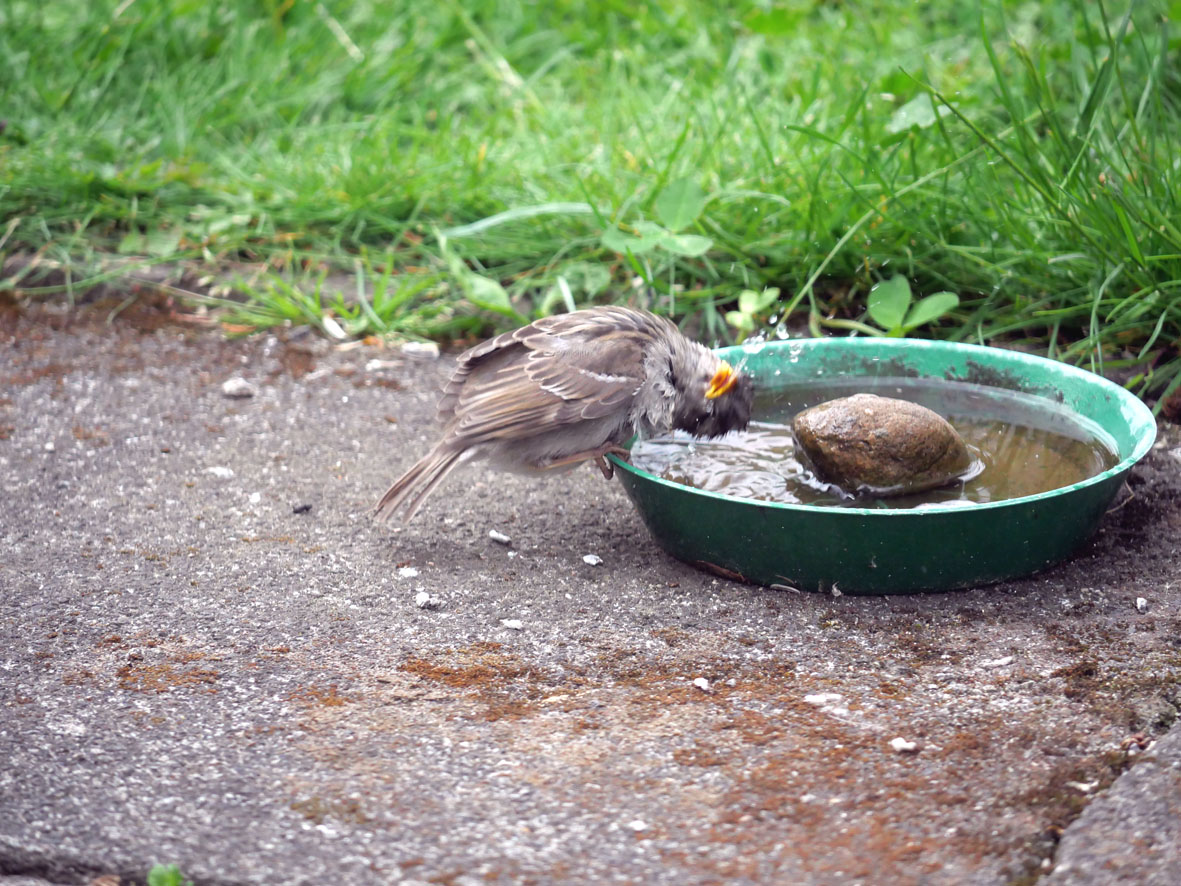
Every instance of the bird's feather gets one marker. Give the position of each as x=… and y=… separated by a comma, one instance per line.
x=555, y=371
x=568, y=388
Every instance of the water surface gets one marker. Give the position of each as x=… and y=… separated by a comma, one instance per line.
x=1025, y=445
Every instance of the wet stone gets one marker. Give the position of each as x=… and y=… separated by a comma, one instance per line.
x=867, y=444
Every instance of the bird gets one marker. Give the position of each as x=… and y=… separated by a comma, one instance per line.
x=571, y=388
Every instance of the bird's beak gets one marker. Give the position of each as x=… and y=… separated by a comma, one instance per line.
x=724, y=379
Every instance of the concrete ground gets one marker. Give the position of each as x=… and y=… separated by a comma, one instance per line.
x=212, y=657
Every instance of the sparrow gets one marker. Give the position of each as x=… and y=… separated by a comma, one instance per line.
x=573, y=388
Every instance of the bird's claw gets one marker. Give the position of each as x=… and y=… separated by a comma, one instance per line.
x=607, y=467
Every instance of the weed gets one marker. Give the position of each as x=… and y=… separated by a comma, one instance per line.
x=167, y=875
x=891, y=306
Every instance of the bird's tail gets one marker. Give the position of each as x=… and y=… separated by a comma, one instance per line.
x=413, y=487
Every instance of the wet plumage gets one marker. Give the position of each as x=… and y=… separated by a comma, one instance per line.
x=572, y=388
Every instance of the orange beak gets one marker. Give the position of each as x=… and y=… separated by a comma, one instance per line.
x=724, y=379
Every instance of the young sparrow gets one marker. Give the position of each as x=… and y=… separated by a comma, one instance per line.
x=571, y=388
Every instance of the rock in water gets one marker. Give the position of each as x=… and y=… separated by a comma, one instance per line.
x=867, y=444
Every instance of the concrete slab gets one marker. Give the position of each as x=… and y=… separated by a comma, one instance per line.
x=1131, y=833
x=212, y=657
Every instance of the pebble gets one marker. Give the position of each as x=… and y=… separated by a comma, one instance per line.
x=902, y=746
x=822, y=698
x=702, y=684
x=513, y=624
x=376, y=365
x=49, y=447
x=592, y=559
x=637, y=825
x=499, y=537
x=220, y=471
x=255, y=497
x=407, y=572
x=423, y=600
x=1141, y=604
x=420, y=349
x=237, y=388
x=997, y=662
x=332, y=328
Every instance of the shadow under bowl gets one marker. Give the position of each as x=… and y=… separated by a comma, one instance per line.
x=897, y=550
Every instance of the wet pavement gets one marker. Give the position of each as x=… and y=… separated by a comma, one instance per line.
x=212, y=657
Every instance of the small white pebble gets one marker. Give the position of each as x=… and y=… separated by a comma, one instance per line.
x=592, y=559
x=49, y=447
x=822, y=698
x=407, y=572
x=1084, y=787
x=222, y=472
x=902, y=746
x=423, y=600
x=420, y=349
x=1142, y=604
x=332, y=328
x=997, y=662
x=255, y=497
x=376, y=365
x=513, y=624
x=637, y=825
x=702, y=684
x=499, y=537
x=237, y=388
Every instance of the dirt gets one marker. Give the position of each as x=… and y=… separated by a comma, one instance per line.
x=229, y=671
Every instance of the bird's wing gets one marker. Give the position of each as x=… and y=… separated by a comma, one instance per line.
x=555, y=371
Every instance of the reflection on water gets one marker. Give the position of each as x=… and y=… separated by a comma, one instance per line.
x=1026, y=444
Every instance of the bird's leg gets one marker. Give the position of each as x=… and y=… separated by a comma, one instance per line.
x=597, y=454
x=605, y=466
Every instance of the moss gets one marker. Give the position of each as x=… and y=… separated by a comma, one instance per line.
x=319, y=696
x=163, y=677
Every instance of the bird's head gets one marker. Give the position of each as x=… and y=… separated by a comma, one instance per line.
x=712, y=396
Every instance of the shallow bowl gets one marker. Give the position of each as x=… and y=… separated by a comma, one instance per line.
x=888, y=550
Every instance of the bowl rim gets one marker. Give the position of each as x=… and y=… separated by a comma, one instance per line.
x=1126, y=399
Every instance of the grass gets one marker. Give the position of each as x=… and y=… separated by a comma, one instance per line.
x=449, y=168
x=167, y=875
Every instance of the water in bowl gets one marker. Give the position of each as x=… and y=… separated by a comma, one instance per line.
x=1026, y=444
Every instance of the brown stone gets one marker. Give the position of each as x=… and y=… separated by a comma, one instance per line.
x=867, y=444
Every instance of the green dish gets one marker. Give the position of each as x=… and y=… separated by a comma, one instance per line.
x=896, y=550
